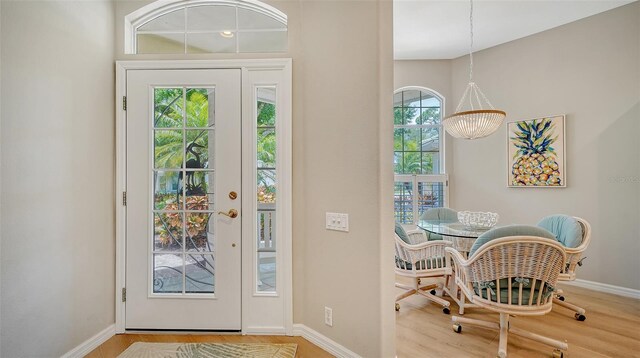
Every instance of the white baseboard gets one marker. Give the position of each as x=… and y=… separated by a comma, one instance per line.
x=323, y=342
x=603, y=287
x=92, y=343
x=257, y=331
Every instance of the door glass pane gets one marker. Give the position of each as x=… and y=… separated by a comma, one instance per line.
x=168, y=148
x=198, y=148
x=199, y=232
x=200, y=107
x=167, y=273
x=183, y=205
x=167, y=190
x=168, y=232
x=199, y=274
x=168, y=105
x=199, y=190
x=266, y=191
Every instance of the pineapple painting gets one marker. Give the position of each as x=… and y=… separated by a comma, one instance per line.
x=536, y=152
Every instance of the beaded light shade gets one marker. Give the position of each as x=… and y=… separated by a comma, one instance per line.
x=479, y=119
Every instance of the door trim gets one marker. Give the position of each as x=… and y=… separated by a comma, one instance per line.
x=284, y=218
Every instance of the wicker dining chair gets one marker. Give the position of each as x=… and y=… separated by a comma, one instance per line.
x=574, y=234
x=418, y=261
x=513, y=275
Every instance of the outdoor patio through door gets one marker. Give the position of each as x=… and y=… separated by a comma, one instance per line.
x=183, y=199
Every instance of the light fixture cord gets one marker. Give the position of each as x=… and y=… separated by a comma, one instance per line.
x=471, y=44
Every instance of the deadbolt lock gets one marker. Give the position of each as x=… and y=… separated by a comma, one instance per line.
x=233, y=195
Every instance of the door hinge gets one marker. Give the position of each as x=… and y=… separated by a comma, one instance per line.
x=124, y=103
x=124, y=198
x=446, y=183
x=124, y=294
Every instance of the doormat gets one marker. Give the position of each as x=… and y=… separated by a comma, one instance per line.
x=210, y=350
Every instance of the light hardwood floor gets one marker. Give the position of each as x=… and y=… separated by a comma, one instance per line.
x=612, y=329
x=117, y=344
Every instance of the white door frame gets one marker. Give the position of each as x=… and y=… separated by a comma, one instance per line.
x=284, y=217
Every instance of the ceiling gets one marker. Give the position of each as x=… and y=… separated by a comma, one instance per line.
x=431, y=29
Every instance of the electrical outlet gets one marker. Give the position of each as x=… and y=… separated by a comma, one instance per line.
x=328, y=316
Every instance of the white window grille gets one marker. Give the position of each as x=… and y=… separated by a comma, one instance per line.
x=420, y=179
x=206, y=26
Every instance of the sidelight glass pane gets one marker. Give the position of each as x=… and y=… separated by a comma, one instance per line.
x=266, y=106
x=199, y=274
x=167, y=190
x=168, y=232
x=168, y=149
x=266, y=147
x=168, y=107
x=199, y=231
x=200, y=107
x=266, y=271
x=167, y=273
x=266, y=186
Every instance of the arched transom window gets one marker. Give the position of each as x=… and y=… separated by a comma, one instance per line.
x=206, y=26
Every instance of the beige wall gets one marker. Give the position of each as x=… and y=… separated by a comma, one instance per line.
x=57, y=146
x=58, y=169
x=338, y=81
x=590, y=71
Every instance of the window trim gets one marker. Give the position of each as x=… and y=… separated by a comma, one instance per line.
x=442, y=176
x=162, y=7
x=443, y=135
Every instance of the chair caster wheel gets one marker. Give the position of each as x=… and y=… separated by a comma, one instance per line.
x=397, y=307
x=561, y=298
x=433, y=292
x=580, y=317
x=446, y=310
x=557, y=353
x=457, y=328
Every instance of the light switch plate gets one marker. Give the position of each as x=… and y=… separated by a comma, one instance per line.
x=337, y=221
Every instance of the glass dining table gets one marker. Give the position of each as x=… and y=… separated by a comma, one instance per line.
x=453, y=231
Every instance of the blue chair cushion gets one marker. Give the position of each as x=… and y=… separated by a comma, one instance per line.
x=436, y=262
x=511, y=230
x=567, y=229
x=441, y=214
x=482, y=288
x=402, y=234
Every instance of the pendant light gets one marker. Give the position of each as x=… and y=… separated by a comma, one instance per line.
x=479, y=119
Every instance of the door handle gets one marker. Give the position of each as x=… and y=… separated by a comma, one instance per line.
x=233, y=213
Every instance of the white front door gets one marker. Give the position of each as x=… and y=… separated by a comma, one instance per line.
x=183, y=145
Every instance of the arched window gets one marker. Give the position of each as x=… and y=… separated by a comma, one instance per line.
x=206, y=26
x=420, y=179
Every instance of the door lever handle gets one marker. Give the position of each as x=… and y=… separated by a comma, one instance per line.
x=233, y=213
